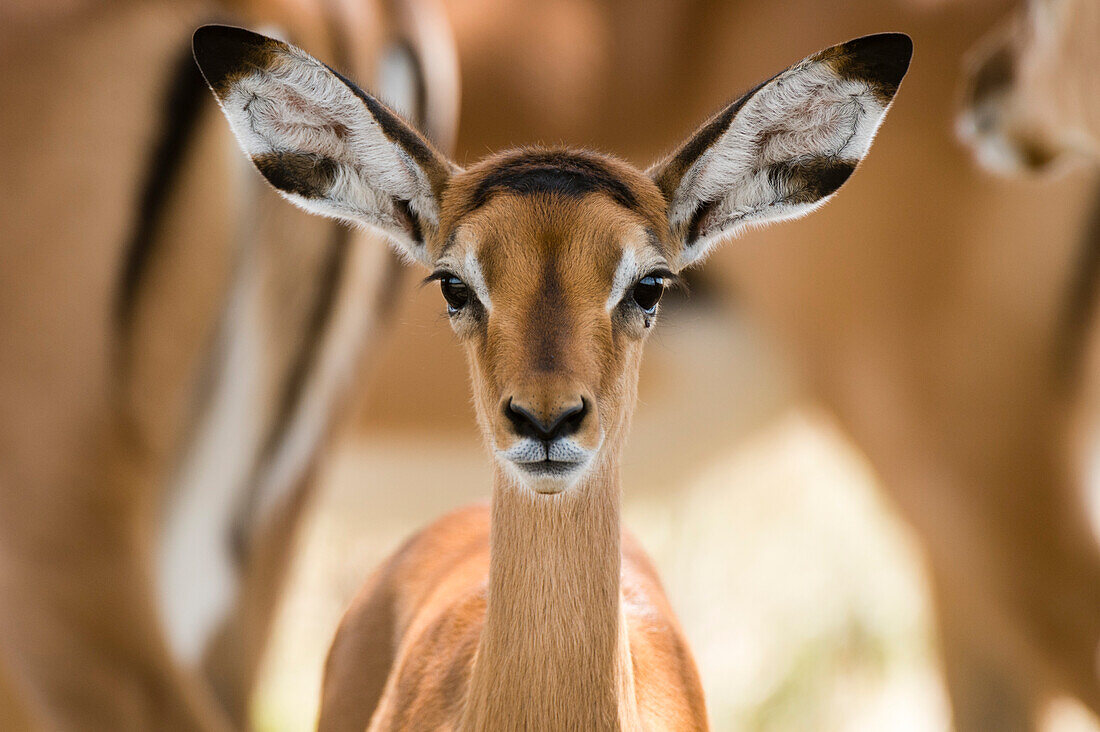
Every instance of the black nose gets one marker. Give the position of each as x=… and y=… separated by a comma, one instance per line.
x=560, y=424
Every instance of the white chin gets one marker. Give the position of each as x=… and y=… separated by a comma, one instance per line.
x=548, y=488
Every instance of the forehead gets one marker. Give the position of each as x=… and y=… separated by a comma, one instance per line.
x=531, y=209
x=583, y=241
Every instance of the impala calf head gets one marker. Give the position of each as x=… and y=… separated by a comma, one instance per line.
x=552, y=263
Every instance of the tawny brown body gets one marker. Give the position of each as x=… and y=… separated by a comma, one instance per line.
x=552, y=263
x=431, y=676
x=128, y=234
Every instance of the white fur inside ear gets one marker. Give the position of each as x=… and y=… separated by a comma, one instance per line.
x=296, y=106
x=806, y=116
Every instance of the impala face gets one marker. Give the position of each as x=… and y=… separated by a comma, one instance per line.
x=552, y=268
x=552, y=262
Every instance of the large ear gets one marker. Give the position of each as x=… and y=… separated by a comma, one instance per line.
x=322, y=142
x=785, y=147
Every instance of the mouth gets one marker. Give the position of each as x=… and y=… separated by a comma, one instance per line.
x=550, y=468
x=546, y=467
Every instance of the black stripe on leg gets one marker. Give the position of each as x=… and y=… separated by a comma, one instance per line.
x=183, y=103
x=296, y=383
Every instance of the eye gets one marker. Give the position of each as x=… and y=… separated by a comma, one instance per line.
x=455, y=292
x=647, y=292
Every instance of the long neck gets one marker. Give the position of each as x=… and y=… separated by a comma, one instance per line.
x=553, y=652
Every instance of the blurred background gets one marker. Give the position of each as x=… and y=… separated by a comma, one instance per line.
x=860, y=458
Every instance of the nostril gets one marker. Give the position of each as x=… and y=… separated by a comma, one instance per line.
x=569, y=421
x=517, y=416
x=523, y=421
x=527, y=424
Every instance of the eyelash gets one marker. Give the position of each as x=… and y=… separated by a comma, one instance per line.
x=458, y=294
x=647, y=291
x=454, y=289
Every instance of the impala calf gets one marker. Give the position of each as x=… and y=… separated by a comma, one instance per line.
x=537, y=613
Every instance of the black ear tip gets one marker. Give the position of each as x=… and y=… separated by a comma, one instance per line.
x=883, y=44
x=882, y=58
x=221, y=40
x=221, y=50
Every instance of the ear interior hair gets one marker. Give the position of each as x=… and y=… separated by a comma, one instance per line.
x=321, y=141
x=785, y=147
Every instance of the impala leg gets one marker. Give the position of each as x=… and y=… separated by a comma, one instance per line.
x=232, y=660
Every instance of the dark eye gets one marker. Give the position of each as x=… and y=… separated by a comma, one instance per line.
x=455, y=292
x=647, y=293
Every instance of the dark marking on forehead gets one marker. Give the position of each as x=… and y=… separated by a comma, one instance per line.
x=560, y=172
x=879, y=61
x=548, y=324
x=806, y=180
x=305, y=174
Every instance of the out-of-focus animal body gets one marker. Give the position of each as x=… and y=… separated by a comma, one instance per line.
x=177, y=351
